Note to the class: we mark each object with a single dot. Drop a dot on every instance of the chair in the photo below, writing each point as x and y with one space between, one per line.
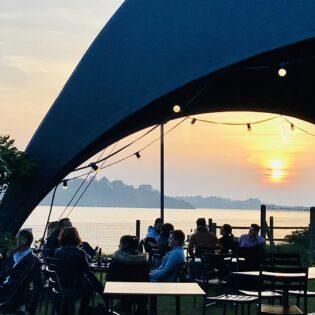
155 256
282 280
16 296
291 260
288 260
232 297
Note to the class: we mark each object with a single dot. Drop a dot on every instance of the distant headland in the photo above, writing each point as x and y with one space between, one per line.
105 193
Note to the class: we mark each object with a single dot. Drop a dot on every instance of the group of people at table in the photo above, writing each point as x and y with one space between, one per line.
128 264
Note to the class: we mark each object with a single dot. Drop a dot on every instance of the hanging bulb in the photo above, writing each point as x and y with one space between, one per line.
176 108
193 121
249 127
138 155
65 184
292 126
94 166
282 72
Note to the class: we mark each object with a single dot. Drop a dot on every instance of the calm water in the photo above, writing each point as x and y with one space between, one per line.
105 226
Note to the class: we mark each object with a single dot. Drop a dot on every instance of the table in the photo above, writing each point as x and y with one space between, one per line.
311 276
154 289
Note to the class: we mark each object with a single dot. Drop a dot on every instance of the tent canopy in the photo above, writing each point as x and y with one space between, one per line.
205 55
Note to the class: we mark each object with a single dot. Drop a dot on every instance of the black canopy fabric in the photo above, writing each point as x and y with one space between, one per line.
206 55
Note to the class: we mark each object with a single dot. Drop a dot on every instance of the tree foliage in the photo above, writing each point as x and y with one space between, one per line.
298 237
13 163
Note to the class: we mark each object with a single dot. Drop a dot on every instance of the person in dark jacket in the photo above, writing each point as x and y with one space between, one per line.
52 242
227 241
73 271
128 265
21 269
164 238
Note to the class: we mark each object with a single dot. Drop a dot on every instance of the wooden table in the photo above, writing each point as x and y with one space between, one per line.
154 289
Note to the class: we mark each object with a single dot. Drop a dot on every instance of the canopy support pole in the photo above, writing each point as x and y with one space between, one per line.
162 172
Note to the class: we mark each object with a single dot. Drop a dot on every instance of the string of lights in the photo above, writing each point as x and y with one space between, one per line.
249 124
94 164
90 182
65 186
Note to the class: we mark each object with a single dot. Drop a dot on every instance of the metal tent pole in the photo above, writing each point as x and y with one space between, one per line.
162 171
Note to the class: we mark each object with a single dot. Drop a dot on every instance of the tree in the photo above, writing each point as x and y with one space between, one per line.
13 166
13 163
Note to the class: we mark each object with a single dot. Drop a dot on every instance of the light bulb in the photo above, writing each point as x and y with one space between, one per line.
138 155
249 127
94 166
65 184
282 72
176 108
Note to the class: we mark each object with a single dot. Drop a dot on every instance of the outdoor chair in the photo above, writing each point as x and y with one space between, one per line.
287 260
232 297
18 295
282 280
155 256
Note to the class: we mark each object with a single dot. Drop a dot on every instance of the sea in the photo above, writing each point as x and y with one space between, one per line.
103 226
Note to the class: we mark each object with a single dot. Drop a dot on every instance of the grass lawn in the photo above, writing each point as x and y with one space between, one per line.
166 305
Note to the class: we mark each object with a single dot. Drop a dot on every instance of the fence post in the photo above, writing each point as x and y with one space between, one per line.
271 232
138 229
263 224
312 235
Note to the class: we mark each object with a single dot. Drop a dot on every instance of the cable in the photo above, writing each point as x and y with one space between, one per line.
90 182
120 160
297 127
49 214
116 152
235 124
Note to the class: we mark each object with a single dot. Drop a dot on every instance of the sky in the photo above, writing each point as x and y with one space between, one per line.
42 41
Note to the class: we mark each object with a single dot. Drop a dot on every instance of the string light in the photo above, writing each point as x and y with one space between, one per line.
138 155
176 108
249 127
292 126
193 121
94 166
65 184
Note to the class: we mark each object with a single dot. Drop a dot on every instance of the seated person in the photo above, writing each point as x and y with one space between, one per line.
154 231
20 269
252 239
202 238
251 247
73 270
128 265
89 250
52 241
164 237
172 261
227 241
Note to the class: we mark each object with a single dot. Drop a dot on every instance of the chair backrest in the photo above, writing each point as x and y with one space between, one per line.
286 260
201 251
155 249
52 263
284 279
